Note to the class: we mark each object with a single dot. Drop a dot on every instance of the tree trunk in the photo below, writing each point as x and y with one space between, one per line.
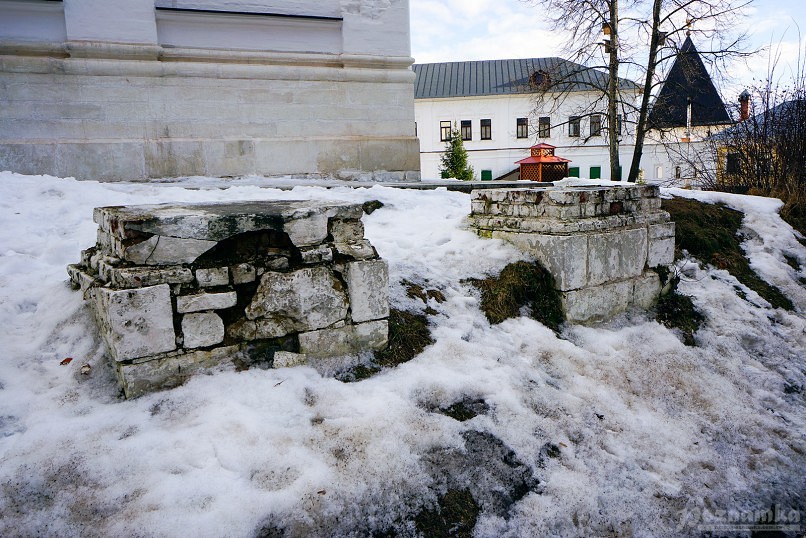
641 127
612 93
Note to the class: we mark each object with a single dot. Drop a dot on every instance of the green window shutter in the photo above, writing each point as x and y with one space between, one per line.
486 175
573 171
596 172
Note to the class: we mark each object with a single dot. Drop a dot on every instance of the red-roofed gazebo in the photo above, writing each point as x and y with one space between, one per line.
543 165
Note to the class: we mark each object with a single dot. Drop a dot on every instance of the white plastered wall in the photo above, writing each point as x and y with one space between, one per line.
124 90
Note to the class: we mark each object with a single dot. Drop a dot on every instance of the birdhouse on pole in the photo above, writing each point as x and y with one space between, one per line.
543 165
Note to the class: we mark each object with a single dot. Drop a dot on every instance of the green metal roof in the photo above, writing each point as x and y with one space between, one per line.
502 77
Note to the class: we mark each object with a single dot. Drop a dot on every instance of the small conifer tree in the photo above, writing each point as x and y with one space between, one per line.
454 160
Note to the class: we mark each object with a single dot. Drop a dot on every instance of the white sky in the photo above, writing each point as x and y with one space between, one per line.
453 30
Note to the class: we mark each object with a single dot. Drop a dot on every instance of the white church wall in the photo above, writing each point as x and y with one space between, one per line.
146 102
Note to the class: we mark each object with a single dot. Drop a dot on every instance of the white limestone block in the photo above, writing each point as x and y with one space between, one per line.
307 231
597 302
368 289
661 252
658 231
565 256
205 301
214 276
136 322
370 336
359 250
202 329
287 359
304 300
136 277
646 290
166 372
616 255
346 230
164 250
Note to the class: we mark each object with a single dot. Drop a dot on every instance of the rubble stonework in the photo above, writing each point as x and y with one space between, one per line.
180 289
599 242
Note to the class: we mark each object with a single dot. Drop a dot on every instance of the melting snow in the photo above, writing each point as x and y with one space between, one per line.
652 434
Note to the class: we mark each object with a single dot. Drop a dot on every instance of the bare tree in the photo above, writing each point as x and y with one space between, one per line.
634 38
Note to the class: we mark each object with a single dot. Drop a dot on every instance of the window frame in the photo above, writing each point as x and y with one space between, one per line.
544 127
486 129
466 129
574 126
596 125
445 136
521 128
733 163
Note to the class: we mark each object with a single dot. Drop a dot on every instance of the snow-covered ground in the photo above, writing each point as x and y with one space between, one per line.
655 437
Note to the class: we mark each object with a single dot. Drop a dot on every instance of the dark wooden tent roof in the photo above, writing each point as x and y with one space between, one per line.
688 79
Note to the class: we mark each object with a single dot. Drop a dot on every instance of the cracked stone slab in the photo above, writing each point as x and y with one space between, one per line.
303 300
368 289
304 220
135 322
165 250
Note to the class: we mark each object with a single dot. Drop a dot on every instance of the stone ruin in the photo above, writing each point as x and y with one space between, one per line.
180 289
599 242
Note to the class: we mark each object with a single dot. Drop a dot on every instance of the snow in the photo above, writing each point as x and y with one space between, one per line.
653 434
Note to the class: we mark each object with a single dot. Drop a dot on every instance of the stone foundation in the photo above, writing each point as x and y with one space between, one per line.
600 243
179 289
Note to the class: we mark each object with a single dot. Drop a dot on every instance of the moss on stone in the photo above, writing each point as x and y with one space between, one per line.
521 284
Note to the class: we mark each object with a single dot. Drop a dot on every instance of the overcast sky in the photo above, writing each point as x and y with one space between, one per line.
453 30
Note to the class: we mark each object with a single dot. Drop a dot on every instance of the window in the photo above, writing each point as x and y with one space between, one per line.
573 126
732 163
618 124
659 172
467 130
486 175
522 128
596 125
678 172
573 171
486 129
540 79
444 131
544 127
596 172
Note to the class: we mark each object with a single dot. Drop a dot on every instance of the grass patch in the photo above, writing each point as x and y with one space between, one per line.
521 285
677 311
455 515
465 409
709 232
409 335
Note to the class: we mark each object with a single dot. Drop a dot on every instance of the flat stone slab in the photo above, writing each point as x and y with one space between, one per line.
215 221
